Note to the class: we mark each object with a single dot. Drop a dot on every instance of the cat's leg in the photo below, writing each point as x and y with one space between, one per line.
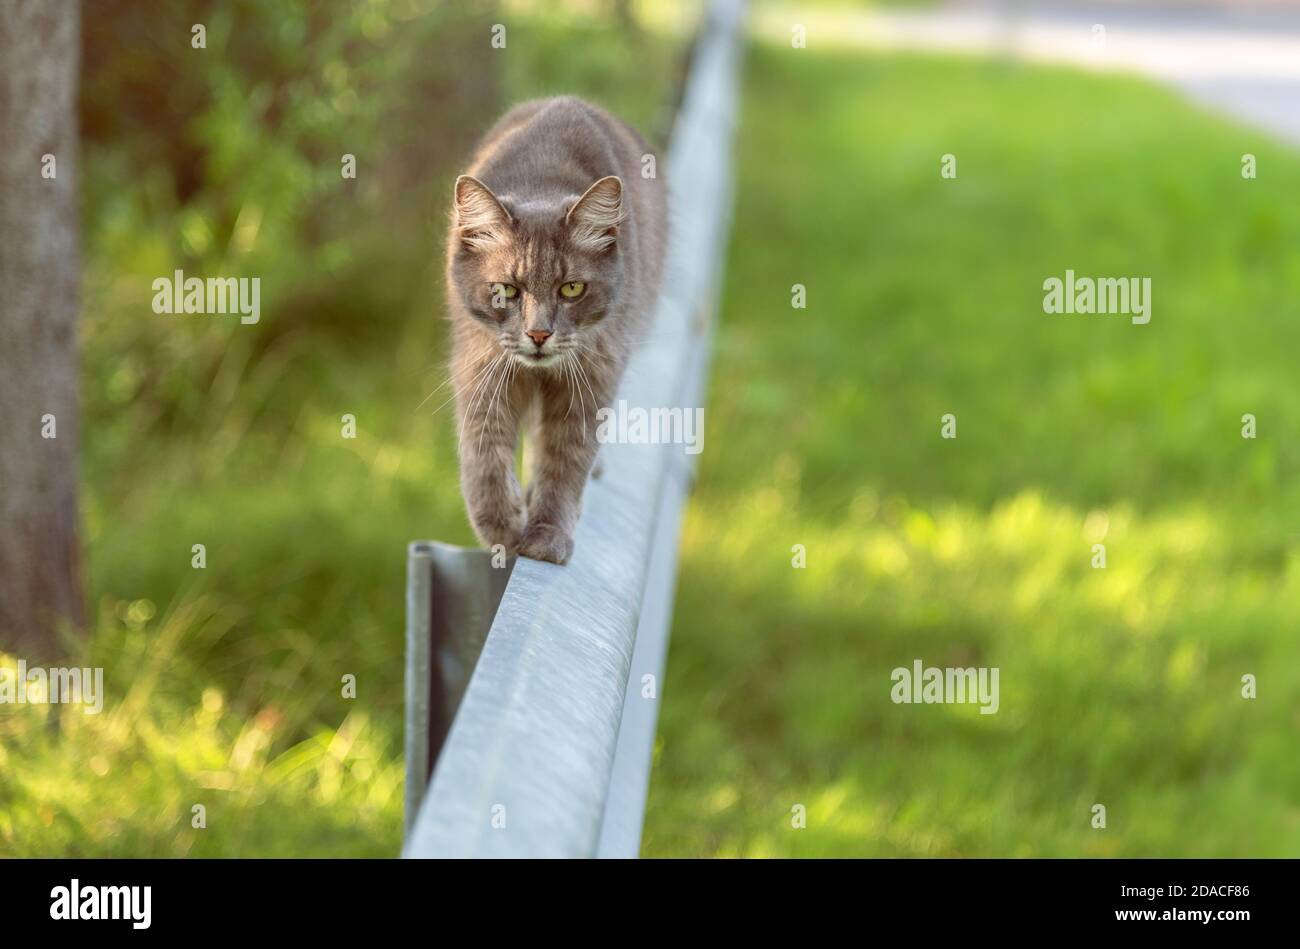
564 447
530 424
489 434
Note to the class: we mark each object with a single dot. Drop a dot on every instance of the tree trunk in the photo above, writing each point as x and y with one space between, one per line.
40 561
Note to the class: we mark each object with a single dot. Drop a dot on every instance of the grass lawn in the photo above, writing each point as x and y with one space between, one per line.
1119 686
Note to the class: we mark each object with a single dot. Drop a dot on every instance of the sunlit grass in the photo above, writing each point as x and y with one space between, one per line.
1119 686
158 773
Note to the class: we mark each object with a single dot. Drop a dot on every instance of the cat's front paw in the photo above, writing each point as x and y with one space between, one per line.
503 531
546 542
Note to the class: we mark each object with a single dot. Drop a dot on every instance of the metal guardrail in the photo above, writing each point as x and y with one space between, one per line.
526 691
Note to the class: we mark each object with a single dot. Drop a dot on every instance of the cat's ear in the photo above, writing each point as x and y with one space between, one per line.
594 220
480 219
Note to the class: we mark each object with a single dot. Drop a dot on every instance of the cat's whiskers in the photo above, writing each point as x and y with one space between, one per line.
568 373
451 377
429 368
483 389
432 394
457 389
589 351
483 380
506 372
595 403
577 368
475 397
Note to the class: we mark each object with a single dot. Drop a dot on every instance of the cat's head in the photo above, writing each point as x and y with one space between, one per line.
541 275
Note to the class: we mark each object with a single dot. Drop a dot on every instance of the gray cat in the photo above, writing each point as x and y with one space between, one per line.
553 267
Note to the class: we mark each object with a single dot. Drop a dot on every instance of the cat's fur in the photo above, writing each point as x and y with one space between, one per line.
554 194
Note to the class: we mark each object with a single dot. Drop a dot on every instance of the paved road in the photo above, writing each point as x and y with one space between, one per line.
1239 58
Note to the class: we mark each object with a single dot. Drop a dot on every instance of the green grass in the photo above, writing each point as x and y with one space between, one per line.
1118 686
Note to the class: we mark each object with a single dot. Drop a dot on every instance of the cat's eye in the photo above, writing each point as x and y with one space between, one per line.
572 290
504 291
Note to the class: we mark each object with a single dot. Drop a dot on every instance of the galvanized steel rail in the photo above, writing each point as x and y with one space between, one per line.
539 729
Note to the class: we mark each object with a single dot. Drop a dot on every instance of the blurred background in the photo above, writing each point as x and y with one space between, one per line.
1120 686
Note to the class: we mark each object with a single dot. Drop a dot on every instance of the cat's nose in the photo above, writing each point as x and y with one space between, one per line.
538 336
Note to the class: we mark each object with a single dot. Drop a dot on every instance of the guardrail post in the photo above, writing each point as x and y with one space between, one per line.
451 597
